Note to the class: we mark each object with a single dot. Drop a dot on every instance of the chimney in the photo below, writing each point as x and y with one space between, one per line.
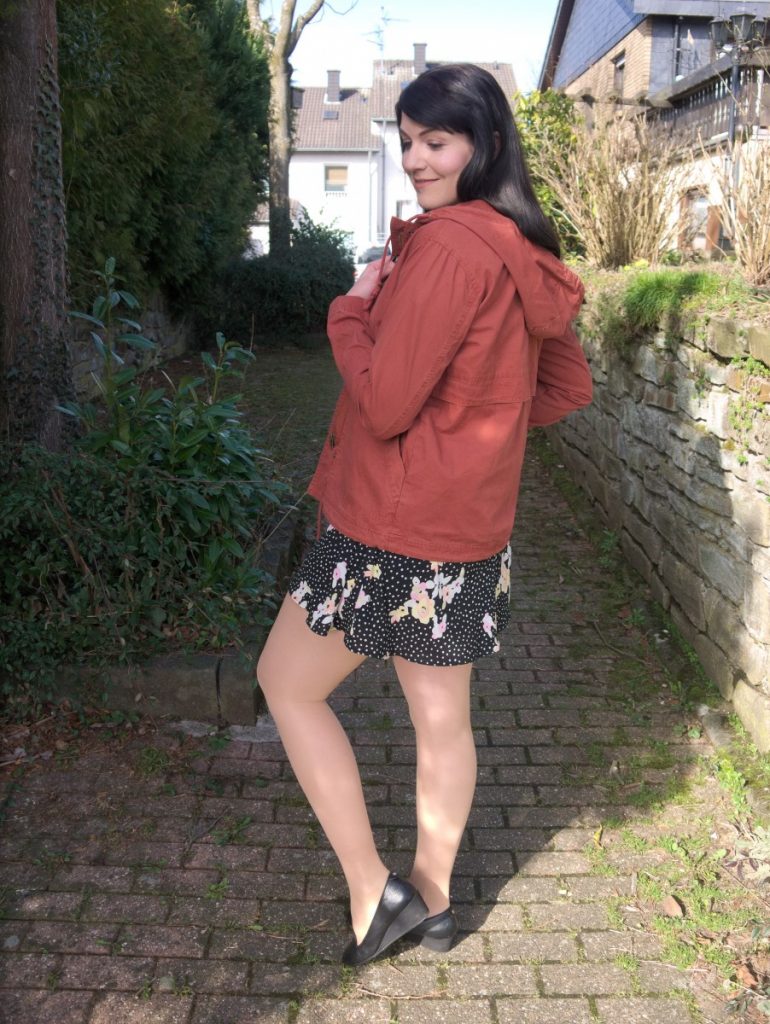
419 57
333 87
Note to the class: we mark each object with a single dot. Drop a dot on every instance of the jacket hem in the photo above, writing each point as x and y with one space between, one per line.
411 546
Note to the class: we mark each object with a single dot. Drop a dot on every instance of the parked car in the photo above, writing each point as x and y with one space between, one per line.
374 252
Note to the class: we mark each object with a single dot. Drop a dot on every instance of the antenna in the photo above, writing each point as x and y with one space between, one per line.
377 35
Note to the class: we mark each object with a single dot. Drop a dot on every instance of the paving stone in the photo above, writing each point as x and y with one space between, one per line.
544 1011
204 976
158 1009
228 858
510 838
553 864
279 914
662 978
237 944
519 889
122 973
567 916
527 948
94 876
580 887
187 881
275 979
221 912
486 917
445 1011
53 937
389 981
337 1011
607 945
584 980
489 980
27 970
265 885
468 949
642 1011
31 1007
122 908
151 940
52 906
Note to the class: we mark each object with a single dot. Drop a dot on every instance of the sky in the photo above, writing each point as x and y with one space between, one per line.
509 31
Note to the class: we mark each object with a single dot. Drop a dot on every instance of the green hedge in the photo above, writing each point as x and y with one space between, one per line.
287 295
164 124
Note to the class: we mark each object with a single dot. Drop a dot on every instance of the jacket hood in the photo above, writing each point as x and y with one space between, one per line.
551 294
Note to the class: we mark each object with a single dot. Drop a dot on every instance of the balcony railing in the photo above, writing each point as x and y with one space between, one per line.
705 112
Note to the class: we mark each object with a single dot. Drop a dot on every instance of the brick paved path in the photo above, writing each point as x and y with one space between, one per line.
189 884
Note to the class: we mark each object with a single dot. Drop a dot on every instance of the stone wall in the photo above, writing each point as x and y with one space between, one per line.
675 453
173 335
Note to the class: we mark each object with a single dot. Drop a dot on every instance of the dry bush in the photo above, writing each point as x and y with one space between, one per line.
743 177
619 189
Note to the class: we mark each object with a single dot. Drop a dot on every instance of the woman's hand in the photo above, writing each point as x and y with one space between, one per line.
372 277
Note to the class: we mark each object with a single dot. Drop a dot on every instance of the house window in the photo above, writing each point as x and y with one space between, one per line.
335 179
618 74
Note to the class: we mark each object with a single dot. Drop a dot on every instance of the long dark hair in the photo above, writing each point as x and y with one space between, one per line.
465 98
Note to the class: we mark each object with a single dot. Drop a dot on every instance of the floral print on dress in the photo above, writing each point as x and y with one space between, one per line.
426 595
386 604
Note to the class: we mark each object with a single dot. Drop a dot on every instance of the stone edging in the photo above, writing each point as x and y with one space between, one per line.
216 688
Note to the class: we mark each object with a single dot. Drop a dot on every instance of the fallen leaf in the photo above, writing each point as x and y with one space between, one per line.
671 907
746 976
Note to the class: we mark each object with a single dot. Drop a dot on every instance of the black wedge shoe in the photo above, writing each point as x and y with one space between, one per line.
400 910
437 932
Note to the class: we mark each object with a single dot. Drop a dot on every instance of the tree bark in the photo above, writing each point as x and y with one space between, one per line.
280 46
35 366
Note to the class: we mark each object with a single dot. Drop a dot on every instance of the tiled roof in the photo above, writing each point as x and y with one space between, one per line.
390 77
346 125
342 126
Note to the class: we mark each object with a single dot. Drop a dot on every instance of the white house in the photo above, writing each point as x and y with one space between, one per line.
345 168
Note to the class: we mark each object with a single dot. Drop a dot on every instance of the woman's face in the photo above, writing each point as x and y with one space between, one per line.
434 160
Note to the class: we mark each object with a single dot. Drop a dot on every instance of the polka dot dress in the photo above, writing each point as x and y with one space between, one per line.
431 613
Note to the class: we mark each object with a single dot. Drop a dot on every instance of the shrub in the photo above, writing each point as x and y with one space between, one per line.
744 184
618 188
287 295
549 118
148 532
164 132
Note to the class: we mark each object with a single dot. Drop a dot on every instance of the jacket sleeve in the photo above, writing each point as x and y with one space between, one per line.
390 377
563 380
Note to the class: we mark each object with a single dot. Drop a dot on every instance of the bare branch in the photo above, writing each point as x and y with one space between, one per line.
302 21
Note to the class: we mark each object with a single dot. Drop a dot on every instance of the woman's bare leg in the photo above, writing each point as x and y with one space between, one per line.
439 706
297 671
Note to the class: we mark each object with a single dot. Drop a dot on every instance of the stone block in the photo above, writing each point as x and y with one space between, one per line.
759 343
659 591
723 340
649 365
756 609
181 684
715 664
635 555
713 499
753 708
645 536
660 398
752 514
718 414
686 588
722 571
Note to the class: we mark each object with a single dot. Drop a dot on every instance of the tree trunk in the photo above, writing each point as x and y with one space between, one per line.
280 153
35 367
280 47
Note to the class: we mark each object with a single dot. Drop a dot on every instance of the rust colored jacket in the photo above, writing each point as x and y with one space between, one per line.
464 346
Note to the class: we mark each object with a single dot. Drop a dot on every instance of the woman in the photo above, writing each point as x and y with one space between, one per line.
449 350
